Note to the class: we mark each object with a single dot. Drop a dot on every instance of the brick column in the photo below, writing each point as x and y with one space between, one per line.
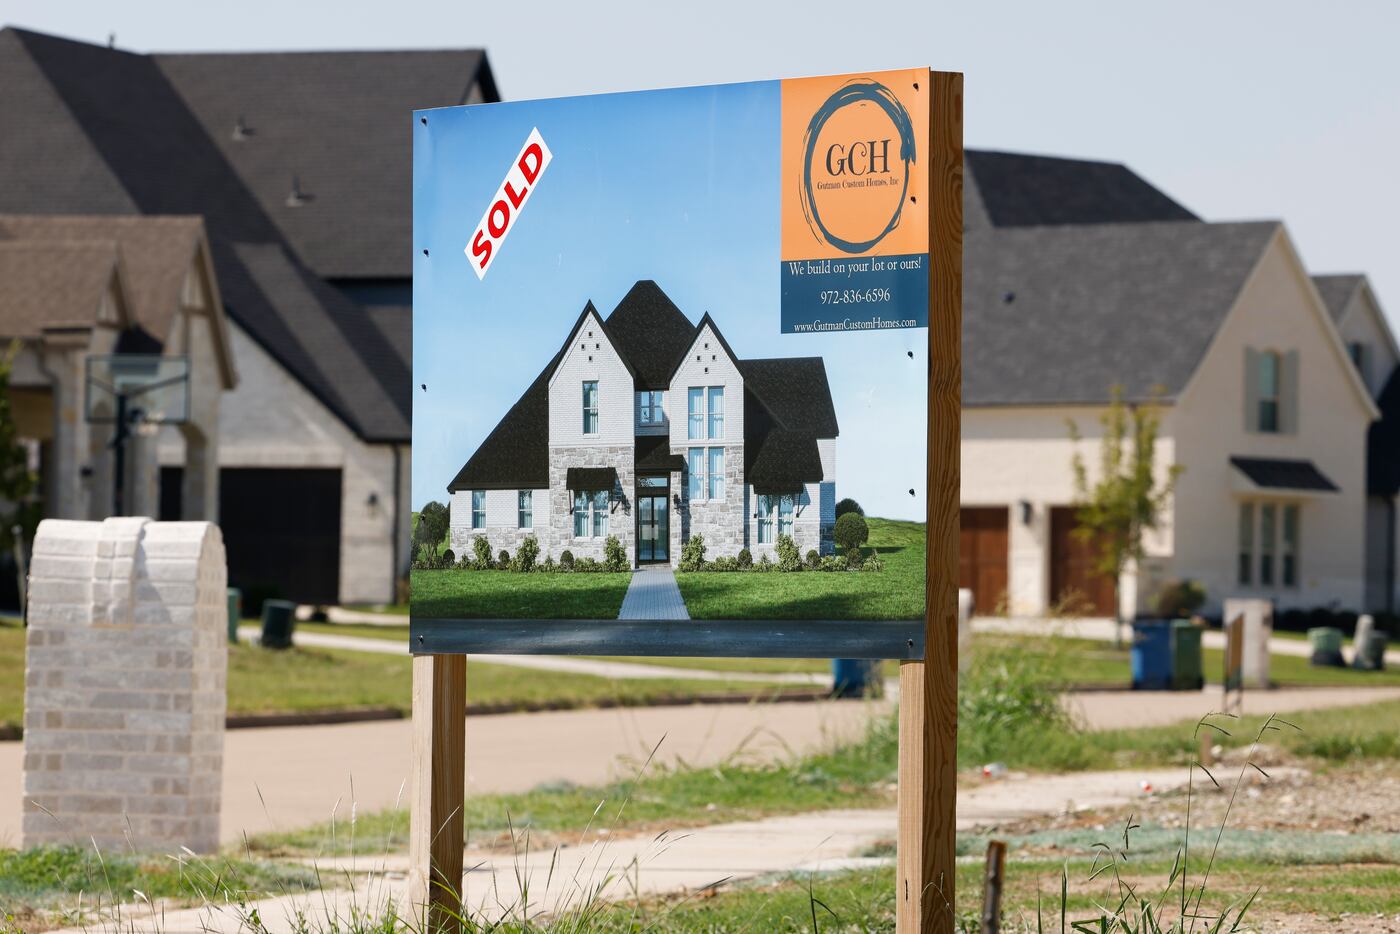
125 684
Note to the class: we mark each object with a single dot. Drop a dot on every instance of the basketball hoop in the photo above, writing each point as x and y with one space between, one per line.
129 390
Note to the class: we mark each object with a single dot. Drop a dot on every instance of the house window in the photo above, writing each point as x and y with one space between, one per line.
1288 556
478 509
1269 392
706 410
1357 351
696 427
695 460
1268 513
525 510
590 513
716 477
774 511
1246 559
590 407
651 407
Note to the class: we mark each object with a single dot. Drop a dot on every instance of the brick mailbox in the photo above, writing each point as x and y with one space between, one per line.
124 701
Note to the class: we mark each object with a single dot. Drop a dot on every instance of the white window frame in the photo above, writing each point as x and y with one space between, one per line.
525 509
593 410
714 480
651 407
770 517
478 495
595 509
704 424
1269 544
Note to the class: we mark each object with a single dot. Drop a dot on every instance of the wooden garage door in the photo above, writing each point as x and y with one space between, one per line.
282 532
1074 583
982 556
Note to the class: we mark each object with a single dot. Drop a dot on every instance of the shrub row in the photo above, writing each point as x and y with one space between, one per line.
693 559
525 560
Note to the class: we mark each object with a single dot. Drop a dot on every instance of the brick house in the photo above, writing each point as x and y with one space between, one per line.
651 429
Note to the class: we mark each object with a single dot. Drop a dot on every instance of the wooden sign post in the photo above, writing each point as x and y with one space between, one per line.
926 648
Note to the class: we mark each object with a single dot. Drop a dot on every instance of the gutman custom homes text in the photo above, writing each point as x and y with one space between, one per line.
651 429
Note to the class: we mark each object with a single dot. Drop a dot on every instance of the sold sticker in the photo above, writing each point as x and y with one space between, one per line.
508 202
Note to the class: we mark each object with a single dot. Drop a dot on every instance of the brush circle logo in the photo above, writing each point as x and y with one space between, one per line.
856 159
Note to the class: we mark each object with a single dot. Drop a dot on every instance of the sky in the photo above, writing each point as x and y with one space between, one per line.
640 186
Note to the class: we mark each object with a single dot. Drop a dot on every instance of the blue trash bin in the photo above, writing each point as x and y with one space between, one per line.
856 677
1152 655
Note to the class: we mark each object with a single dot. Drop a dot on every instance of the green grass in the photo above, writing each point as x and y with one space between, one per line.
52 877
508 595
897 592
11 674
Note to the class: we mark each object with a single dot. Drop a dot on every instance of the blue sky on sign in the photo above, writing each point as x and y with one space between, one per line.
679 186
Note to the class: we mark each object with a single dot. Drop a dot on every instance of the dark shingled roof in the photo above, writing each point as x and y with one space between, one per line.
651 333
1045 309
794 390
91 130
1283 474
780 461
1383 442
1337 290
1017 190
516 452
653 453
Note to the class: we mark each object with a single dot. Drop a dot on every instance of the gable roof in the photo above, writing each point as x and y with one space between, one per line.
55 284
1337 291
650 332
86 129
795 392
1045 309
516 452
1020 190
300 116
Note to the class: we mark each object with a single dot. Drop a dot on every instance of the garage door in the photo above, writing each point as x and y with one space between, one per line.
982 556
282 532
1074 582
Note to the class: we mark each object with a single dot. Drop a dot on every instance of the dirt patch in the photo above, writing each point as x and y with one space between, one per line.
1330 924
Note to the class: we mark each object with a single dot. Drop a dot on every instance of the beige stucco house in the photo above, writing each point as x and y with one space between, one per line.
1267 382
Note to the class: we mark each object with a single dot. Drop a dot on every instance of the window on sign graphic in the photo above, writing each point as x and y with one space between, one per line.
478 509
695 462
785 507
716 477
765 519
716 401
695 427
590 407
525 509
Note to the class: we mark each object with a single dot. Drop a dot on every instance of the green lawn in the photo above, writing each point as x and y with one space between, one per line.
897 592
508 595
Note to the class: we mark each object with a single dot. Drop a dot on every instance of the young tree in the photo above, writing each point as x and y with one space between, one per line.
433 521
1126 499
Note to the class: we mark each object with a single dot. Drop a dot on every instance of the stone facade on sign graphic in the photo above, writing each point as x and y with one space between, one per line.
720 521
126 665
561 507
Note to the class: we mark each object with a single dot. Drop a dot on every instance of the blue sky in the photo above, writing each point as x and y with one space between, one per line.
680 186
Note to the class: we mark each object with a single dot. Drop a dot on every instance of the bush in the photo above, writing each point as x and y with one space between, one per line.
873 563
835 563
566 560
614 555
449 559
548 566
745 559
851 533
693 554
588 566
764 564
814 560
503 560
1180 598
789 558
724 564
848 505
526 554
481 553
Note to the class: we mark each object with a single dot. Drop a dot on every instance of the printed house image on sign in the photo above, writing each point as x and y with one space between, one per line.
652 429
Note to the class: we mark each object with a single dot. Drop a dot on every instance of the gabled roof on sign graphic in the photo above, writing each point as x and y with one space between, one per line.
651 333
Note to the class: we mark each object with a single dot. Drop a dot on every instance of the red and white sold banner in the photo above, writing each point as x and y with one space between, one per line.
504 210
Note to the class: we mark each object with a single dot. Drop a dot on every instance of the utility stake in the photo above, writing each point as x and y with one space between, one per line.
991 887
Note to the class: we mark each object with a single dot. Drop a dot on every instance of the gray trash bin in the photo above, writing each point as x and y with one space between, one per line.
278 620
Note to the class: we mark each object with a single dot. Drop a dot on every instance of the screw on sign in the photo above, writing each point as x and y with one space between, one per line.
508 202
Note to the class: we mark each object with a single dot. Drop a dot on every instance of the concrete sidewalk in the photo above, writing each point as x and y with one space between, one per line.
1102 630
672 862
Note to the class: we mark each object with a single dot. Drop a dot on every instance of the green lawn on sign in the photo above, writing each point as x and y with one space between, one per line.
458 594
897 592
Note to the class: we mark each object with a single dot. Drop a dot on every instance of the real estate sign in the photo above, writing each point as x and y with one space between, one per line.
665 343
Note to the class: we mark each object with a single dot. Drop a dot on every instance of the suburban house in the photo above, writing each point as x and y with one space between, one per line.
298 165
649 428
1079 278
127 292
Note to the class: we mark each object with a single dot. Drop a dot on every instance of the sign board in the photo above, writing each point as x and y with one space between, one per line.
689 342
